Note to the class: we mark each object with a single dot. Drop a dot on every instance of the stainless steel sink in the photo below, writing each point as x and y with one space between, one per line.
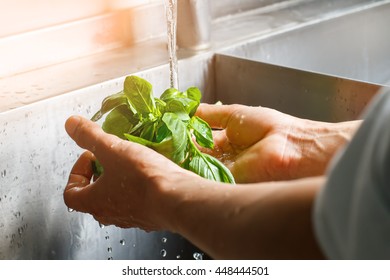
354 45
285 71
297 92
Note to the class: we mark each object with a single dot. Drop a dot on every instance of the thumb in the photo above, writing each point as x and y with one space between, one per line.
89 135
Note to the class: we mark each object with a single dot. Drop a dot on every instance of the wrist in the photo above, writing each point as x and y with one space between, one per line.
168 195
319 142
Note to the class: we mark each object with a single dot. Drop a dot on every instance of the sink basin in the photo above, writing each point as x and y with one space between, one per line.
296 92
313 72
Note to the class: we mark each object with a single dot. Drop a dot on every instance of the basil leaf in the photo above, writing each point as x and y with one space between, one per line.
163 124
194 94
200 166
160 105
109 103
149 130
202 132
119 121
169 94
210 168
224 173
178 107
140 95
162 132
179 136
97 168
165 147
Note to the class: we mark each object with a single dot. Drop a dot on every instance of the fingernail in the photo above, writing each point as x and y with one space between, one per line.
71 124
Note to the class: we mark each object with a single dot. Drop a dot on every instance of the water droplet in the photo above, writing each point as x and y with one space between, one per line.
178 257
101 225
107 237
20 231
3 173
164 240
122 242
109 249
163 253
110 258
198 256
70 210
134 245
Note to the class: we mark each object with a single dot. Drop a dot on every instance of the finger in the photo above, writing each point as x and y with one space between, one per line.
76 192
83 166
90 136
217 116
103 221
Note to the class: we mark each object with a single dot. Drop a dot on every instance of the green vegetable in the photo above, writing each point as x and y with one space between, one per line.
166 125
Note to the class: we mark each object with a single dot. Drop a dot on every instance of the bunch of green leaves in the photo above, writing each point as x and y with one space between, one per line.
166 125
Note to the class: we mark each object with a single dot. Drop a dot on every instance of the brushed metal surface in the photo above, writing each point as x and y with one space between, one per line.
353 45
297 92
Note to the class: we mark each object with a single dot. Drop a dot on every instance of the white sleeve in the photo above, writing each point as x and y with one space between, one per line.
352 211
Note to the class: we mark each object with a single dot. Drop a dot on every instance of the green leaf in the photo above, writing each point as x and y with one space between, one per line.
162 132
202 132
169 94
194 94
179 136
109 103
179 107
163 124
160 105
119 121
210 168
200 166
224 173
165 147
97 168
149 131
140 95
190 99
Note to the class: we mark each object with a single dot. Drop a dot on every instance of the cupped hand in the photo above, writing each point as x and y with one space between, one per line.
127 194
261 144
